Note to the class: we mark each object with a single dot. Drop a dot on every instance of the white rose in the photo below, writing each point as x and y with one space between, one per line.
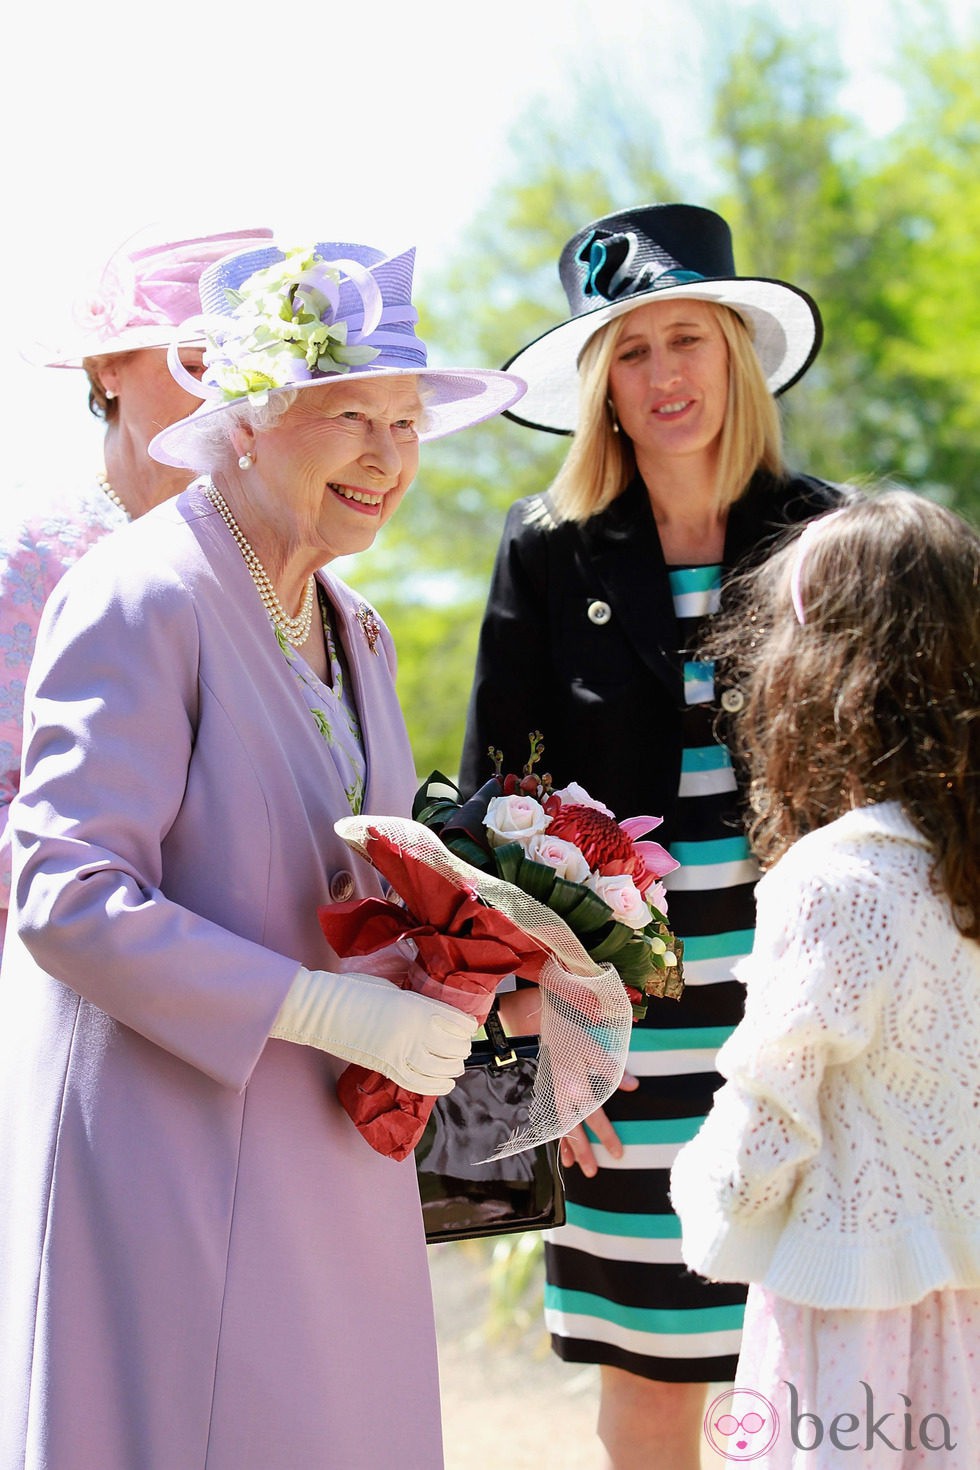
576 795
555 852
624 898
514 819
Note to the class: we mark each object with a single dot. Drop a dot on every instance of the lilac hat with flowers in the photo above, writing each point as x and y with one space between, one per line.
143 293
275 320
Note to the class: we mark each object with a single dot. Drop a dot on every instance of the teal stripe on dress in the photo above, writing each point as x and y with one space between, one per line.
734 944
699 683
680 1038
723 850
653 1130
694 579
643 1319
609 1222
705 758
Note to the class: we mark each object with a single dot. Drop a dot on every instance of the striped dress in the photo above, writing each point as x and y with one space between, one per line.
617 1291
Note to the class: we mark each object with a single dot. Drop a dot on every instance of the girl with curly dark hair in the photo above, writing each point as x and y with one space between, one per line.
839 1169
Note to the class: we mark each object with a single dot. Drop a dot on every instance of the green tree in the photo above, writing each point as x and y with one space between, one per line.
876 230
883 232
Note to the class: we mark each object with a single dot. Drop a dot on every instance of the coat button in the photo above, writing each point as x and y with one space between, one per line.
342 886
599 613
732 701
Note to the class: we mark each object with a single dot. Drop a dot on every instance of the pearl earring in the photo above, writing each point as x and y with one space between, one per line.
612 415
109 393
246 462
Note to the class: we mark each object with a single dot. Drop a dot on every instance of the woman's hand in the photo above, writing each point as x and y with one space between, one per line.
575 1147
419 1043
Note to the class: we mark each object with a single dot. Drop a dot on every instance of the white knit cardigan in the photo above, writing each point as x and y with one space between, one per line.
840 1164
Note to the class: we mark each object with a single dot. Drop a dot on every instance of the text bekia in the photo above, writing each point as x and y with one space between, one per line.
895 1429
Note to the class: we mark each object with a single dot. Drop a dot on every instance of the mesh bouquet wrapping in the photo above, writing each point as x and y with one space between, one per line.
459 918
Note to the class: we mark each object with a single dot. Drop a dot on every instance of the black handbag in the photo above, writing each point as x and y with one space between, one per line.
462 1199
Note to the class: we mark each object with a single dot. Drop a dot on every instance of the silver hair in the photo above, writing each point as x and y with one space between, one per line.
215 435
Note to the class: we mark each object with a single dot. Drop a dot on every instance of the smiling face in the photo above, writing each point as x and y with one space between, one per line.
668 380
334 468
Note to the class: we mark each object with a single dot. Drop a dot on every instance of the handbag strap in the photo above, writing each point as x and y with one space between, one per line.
504 1055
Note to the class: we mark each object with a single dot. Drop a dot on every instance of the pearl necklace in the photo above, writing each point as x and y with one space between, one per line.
297 629
107 489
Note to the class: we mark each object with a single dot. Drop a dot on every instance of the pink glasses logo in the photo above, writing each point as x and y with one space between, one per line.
741 1424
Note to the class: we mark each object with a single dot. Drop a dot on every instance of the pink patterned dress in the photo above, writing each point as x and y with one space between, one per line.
34 552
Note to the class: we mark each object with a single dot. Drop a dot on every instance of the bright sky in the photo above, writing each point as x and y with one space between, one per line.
386 122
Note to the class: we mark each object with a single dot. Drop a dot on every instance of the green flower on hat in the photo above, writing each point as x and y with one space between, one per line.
277 323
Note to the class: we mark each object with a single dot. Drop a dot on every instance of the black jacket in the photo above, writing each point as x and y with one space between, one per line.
605 690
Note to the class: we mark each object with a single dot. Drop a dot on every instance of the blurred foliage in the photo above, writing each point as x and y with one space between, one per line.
511 1270
883 231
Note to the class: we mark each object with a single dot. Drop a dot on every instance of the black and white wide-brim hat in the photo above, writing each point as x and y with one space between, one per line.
658 252
273 321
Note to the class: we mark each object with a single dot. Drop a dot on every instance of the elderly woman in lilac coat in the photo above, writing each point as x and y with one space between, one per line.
202 1263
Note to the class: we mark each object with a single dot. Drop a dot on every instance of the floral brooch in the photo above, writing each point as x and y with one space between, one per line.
372 628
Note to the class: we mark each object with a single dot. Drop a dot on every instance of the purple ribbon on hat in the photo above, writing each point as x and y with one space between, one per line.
322 276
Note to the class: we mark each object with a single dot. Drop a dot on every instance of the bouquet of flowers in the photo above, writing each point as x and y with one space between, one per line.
470 926
568 851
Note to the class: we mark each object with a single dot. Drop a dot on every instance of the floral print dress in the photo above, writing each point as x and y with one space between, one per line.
35 551
332 707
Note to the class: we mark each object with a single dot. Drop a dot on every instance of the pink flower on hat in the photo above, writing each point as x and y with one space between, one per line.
144 293
109 309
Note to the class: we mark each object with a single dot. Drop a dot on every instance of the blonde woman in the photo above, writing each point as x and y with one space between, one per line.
666 373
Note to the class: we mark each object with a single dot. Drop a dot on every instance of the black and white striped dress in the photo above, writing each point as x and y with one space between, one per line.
618 1292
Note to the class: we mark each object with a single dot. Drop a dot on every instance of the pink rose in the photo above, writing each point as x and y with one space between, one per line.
624 898
555 853
514 819
656 897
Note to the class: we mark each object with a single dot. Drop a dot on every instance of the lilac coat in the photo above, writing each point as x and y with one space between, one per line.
202 1264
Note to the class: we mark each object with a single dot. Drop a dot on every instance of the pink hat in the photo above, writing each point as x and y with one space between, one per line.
143 294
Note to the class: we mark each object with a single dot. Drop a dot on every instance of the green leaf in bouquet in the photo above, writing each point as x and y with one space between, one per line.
537 879
436 800
565 895
637 962
613 944
435 815
464 847
589 914
507 861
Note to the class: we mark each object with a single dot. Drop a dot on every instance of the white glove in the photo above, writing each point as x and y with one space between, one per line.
419 1043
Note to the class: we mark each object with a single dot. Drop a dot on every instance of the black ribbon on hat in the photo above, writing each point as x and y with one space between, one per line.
609 261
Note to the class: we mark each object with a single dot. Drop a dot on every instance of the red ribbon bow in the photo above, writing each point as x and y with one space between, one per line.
464 949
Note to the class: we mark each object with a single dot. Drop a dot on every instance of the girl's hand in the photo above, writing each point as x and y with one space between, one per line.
520 1011
575 1147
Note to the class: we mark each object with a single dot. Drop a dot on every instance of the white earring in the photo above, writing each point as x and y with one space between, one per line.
109 393
612 415
246 462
